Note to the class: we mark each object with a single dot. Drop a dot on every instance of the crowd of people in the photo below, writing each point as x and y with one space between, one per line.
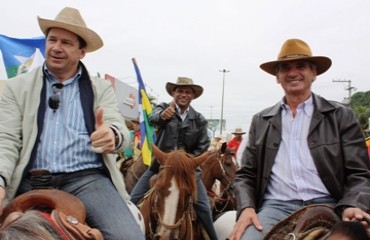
303 150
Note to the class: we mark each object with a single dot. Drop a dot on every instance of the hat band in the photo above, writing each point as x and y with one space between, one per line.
293 56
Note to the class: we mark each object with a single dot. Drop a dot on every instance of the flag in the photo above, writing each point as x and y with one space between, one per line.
147 131
22 55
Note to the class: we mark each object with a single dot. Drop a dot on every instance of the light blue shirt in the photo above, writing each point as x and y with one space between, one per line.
65 144
294 175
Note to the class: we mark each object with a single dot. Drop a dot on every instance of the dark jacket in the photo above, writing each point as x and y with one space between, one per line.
337 146
189 135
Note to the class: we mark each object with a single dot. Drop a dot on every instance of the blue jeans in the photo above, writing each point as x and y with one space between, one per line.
105 209
273 211
202 205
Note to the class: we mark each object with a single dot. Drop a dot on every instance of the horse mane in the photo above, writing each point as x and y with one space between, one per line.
178 165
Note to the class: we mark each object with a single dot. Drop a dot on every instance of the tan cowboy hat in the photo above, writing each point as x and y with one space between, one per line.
238 131
296 49
70 19
136 120
184 82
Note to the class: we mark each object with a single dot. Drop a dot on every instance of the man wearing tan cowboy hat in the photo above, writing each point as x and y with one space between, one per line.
303 150
134 148
180 127
234 143
57 118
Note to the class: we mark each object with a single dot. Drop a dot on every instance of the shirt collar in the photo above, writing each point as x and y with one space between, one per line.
179 110
51 78
306 106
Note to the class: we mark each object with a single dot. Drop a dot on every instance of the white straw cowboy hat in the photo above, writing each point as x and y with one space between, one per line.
184 82
296 49
70 19
238 131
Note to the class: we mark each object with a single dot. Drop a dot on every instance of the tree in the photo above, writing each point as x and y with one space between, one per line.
361 106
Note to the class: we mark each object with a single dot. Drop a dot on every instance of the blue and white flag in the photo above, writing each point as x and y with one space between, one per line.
22 55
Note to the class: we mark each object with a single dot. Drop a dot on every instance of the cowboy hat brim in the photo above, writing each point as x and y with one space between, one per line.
322 64
198 90
92 39
240 133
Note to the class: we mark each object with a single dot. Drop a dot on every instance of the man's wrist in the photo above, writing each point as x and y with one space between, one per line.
118 138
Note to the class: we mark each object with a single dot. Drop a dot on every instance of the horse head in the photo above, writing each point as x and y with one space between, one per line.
172 196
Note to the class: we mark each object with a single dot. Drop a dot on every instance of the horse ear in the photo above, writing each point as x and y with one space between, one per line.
161 156
199 159
223 147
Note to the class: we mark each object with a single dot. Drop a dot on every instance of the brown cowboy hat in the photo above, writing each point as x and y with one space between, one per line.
48 200
238 131
296 49
70 19
184 82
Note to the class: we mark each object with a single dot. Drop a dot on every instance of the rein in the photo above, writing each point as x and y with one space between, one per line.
227 189
187 216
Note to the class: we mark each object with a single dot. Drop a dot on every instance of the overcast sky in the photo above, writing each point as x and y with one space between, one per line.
198 38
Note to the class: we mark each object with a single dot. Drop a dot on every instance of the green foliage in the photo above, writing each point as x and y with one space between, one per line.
360 102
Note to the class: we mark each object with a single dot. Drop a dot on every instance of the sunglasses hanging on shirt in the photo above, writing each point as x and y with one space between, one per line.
54 99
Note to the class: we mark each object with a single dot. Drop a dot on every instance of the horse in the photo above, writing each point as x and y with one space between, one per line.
221 166
132 169
167 208
314 222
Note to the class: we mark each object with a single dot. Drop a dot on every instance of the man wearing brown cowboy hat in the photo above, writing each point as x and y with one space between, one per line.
302 151
179 126
57 118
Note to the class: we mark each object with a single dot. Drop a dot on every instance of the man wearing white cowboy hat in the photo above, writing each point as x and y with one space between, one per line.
179 126
58 119
234 143
302 151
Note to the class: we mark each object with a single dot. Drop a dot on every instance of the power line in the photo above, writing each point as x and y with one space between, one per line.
349 89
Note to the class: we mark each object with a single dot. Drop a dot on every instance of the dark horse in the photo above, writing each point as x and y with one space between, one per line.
316 222
221 166
168 207
132 169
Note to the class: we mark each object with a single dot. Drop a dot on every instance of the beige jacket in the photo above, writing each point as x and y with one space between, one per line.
19 104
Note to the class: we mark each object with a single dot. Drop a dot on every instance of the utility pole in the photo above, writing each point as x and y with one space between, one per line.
349 89
224 71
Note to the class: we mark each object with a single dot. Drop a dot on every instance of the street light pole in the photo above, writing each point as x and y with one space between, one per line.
224 71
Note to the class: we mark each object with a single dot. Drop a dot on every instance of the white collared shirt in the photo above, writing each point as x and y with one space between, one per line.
184 114
294 175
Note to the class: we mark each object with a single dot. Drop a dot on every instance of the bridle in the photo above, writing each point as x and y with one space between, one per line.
229 184
188 216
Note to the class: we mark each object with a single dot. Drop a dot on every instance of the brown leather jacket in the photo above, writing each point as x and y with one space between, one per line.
337 146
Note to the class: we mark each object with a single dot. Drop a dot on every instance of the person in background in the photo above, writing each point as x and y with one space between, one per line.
303 150
216 143
61 128
241 148
234 143
134 148
179 126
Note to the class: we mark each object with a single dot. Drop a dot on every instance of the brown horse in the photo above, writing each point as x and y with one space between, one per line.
168 207
132 169
221 166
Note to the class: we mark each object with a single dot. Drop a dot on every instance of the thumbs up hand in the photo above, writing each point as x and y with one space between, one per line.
102 139
169 111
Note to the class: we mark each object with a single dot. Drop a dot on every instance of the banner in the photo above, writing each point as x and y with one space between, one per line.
21 55
147 131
